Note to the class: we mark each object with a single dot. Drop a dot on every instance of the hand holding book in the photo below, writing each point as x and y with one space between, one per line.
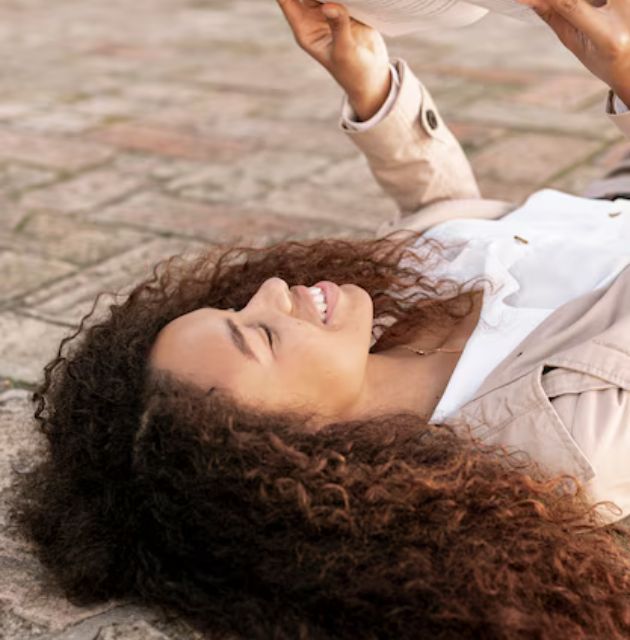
353 53
599 36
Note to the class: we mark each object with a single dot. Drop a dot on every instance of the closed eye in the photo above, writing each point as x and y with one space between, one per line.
269 334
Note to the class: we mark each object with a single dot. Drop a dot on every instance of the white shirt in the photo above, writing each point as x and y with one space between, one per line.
573 246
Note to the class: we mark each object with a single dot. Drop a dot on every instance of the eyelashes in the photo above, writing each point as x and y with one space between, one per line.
269 334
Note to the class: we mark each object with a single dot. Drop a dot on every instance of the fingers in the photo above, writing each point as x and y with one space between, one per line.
293 12
579 14
339 21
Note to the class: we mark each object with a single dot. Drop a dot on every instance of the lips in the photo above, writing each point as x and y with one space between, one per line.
302 293
331 293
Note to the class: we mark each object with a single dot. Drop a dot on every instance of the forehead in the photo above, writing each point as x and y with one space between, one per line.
197 347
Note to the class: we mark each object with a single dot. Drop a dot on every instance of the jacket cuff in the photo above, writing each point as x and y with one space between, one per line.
412 105
349 120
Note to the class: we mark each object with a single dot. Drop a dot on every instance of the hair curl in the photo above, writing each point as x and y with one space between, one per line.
248 523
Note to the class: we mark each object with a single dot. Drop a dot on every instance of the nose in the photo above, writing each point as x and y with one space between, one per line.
275 293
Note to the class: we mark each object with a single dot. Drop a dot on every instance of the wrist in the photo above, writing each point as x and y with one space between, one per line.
366 103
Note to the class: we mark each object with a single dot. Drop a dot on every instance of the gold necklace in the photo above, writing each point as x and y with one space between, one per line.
423 352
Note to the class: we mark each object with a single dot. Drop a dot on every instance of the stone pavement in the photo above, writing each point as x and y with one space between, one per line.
131 131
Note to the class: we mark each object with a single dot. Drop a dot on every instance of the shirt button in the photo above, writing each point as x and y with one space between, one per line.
432 119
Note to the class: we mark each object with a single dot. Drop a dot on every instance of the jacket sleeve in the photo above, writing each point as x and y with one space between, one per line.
411 152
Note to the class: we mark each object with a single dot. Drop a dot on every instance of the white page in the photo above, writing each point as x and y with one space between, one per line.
398 17
510 8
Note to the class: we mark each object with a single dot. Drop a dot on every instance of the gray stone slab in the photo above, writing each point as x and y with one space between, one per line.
60 237
70 299
26 345
23 273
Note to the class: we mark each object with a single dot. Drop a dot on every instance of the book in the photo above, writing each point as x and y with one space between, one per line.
399 17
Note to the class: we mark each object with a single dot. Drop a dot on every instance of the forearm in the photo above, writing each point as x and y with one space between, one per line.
368 102
411 152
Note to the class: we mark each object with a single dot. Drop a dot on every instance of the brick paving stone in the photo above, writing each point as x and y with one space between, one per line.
23 593
265 127
485 75
563 92
513 192
544 120
578 179
15 177
170 143
349 173
307 137
144 95
58 121
9 110
70 240
82 193
140 630
531 159
16 434
69 299
344 207
107 107
472 136
219 222
59 153
22 273
261 70
12 626
27 345
10 214
250 178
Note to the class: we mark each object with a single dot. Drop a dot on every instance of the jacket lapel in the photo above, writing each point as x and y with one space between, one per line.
590 334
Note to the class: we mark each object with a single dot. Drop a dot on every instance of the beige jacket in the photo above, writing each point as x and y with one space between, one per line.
563 395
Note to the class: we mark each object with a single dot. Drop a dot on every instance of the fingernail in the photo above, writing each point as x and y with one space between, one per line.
330 12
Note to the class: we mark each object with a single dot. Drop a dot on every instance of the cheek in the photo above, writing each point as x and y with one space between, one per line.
338 369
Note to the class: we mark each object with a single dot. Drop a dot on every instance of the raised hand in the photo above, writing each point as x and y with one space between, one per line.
353 53
598 35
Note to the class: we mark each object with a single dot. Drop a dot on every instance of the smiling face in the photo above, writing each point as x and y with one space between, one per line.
309 365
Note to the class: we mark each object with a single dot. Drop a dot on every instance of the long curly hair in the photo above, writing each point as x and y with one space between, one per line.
247 523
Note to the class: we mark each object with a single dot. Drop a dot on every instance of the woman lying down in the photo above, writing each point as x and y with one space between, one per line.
423 435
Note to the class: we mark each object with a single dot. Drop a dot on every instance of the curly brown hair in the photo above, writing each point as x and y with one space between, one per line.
250 524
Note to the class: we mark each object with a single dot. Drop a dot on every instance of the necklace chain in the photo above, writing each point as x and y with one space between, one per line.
424 352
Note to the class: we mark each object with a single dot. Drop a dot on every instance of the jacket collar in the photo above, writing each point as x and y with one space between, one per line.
589 334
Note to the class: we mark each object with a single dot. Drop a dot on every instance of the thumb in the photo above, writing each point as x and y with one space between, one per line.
339 21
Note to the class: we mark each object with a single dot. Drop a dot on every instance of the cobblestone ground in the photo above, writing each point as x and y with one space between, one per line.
129 132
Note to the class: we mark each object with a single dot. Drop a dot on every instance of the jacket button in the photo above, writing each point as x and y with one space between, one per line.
432 119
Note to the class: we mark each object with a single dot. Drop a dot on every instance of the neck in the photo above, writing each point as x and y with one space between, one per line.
423 378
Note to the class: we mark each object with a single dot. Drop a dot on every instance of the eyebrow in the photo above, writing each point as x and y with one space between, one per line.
239 340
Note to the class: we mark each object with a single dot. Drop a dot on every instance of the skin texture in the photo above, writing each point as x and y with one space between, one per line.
311 366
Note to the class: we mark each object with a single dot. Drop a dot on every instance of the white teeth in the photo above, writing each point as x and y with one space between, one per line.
320 301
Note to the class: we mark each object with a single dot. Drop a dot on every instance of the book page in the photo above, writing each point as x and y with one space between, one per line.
510 8
397 17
